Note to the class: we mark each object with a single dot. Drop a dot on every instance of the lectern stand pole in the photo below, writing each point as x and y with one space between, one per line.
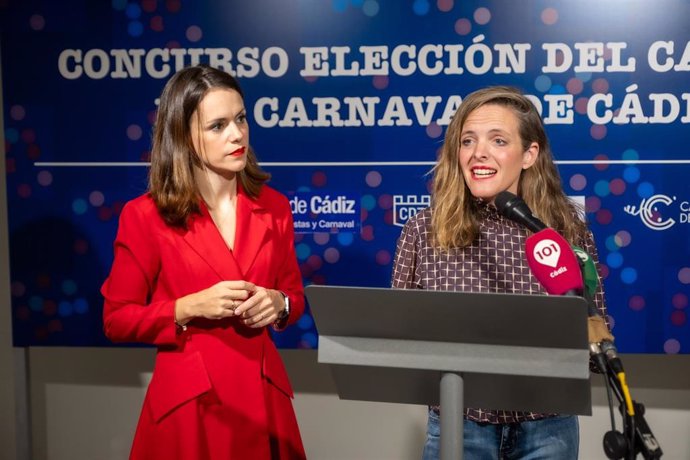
452 411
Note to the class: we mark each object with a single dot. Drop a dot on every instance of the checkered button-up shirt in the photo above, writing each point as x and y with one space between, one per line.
495 262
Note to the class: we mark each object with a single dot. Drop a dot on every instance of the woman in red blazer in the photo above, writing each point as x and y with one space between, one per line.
204 264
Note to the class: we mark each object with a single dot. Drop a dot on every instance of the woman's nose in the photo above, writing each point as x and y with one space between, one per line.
480 151
235 133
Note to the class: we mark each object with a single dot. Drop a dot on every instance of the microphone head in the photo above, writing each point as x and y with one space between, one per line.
589 271
503 199
512 207
553 263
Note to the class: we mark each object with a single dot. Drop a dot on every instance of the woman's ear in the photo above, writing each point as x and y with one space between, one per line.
529 157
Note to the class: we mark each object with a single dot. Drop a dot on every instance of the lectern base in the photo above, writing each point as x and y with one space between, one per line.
451 416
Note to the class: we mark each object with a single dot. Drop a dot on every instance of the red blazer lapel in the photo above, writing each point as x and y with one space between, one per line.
254 225
205 239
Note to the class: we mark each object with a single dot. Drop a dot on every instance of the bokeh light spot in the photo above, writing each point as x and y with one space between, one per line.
373 178
79 206
368 202
636 303
17 112
600 85
684 275
380 81
433 130
133 11
598 132
463 26
623 238
134 132
617 186
482 16
601 188
420 7
37 22
578 182
604 216
96 198
345 239
631 154
194 33
628 275
678 318
645 190
383 257
319 179
69 287
444 5
679 301
303 251
614 260
81 306
135 28
370 8
65 308
631 174
574 86
321 238
44 178
672 346
542 83
549 16
386 201
331 255
592 204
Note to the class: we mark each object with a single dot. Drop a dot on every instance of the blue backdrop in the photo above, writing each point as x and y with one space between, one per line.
348 103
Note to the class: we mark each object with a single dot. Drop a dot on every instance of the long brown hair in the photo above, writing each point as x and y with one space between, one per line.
455 221
173 158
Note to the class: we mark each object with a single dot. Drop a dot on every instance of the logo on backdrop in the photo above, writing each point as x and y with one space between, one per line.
325 212
406 206
656 211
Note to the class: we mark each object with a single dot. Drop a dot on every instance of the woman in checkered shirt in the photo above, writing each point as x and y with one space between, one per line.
495 142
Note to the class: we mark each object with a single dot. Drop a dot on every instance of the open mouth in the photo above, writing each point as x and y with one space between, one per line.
483 173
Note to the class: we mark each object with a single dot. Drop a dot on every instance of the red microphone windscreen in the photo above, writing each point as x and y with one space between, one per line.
553 262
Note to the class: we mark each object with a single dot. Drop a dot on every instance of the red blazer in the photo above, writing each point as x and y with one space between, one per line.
219 389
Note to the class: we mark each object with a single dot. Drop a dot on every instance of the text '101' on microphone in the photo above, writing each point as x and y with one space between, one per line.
553 263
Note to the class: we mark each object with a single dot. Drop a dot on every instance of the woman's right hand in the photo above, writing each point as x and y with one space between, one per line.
218 301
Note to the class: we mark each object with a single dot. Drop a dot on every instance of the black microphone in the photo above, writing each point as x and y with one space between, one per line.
604 352
513 207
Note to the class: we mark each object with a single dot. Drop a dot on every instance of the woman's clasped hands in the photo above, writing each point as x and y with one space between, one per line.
256 306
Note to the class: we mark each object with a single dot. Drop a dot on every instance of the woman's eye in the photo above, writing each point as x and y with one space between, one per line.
501 142
242 118
466 142
217 126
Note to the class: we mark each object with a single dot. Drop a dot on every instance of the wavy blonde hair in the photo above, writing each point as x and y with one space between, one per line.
173 157
455 221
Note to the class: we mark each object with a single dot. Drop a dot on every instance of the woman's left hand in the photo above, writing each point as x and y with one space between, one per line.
262 308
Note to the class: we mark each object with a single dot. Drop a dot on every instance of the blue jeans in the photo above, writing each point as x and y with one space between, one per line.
555 438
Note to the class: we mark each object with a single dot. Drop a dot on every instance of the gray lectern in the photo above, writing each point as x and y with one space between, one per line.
489 351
